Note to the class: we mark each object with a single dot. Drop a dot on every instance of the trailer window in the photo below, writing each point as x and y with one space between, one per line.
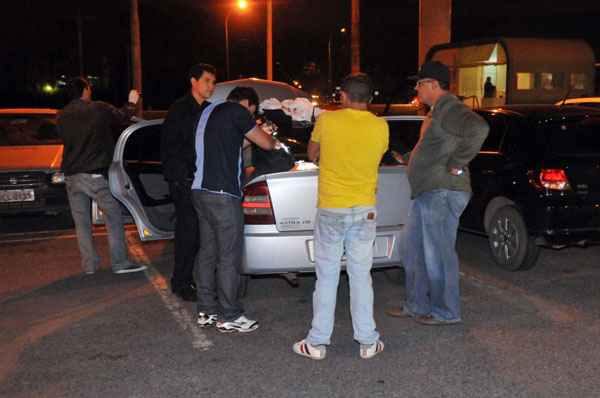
577 81
547 81
525 81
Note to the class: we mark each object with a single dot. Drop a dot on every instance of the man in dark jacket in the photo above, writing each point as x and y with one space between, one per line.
451 136
178 159
85 127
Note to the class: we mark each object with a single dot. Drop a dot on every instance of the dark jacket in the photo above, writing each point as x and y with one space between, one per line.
86 128
177 143
451 135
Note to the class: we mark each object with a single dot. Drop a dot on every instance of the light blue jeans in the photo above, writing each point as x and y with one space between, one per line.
81 189
337 232
429 254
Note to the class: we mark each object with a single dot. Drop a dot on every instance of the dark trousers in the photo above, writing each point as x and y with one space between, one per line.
186 235
219 259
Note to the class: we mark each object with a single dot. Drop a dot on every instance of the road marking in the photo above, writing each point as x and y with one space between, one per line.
187 322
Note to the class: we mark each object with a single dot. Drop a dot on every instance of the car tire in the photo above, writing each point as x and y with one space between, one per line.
512 247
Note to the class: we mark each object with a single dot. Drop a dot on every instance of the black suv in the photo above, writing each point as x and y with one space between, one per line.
536 181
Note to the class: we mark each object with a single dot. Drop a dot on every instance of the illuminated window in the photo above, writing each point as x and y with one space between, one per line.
577 81
547 81
524 81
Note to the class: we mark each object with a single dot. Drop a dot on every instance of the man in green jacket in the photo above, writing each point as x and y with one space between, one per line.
438 173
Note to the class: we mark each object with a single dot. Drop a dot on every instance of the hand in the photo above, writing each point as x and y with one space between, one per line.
398 157
134 96
278 144
456 172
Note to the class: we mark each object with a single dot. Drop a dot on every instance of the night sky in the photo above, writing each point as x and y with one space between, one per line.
39 40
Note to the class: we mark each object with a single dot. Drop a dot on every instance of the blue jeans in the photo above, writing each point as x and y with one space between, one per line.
336 230
81 189
429 254
219 258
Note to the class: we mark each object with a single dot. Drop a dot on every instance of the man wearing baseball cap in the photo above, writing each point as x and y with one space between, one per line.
451 135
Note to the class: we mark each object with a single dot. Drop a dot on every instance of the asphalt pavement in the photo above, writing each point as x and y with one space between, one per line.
64 334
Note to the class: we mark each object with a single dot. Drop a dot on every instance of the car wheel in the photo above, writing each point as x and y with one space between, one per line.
511 246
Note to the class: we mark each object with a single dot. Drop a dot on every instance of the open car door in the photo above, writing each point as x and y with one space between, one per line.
136 180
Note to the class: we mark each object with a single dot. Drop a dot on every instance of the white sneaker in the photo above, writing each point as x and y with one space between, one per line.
305 349
370 350
206 319
241 325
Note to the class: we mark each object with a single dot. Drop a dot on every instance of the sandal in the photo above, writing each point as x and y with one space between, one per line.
370 350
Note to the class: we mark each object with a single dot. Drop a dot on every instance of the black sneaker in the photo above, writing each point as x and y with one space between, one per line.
206 319
130 268
186 293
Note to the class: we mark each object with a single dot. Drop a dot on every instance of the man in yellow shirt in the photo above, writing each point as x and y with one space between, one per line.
348 144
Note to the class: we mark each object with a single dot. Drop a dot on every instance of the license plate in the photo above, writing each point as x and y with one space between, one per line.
381 248
17 195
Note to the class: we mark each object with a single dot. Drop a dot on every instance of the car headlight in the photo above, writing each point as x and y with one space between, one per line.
58 178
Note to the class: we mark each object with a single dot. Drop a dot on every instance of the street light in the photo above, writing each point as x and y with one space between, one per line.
240 5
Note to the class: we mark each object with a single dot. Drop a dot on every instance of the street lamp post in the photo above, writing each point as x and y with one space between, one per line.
269 39
241 5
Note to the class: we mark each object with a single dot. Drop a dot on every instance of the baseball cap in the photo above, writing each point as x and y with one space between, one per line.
433 70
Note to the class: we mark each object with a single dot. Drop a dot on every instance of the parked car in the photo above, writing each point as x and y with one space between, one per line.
31 180
264 88
279 208
536 181
592 102
30 159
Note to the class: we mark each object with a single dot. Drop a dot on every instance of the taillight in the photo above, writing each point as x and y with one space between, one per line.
257 204
554 179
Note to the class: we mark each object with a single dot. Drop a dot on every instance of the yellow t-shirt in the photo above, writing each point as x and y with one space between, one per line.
352 143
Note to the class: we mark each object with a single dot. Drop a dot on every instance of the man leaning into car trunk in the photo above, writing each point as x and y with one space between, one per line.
85 127
349 144
178 159
450 137
217 196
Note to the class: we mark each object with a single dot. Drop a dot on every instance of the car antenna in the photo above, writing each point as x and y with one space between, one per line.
566 95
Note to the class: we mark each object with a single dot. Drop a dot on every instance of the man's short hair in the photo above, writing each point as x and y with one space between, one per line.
358 87
197 70
75 87
239 94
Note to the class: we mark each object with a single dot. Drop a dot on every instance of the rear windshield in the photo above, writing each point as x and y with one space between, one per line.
576 138
404 135
28 130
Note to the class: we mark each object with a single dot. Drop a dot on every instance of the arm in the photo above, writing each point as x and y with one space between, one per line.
262 139
472 130
314 144
123 114
314 150
171 140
